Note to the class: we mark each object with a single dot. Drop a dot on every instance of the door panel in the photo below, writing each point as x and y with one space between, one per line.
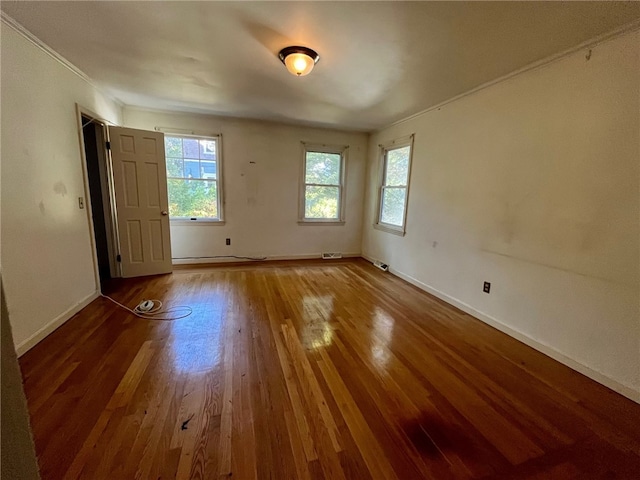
152 184
140 182
130 178
134 241
155 233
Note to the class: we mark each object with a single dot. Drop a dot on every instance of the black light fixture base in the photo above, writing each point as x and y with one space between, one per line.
285 52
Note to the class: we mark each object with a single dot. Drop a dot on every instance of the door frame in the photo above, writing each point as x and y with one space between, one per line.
113 240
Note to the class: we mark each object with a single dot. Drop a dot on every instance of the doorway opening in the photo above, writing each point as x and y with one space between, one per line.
98 175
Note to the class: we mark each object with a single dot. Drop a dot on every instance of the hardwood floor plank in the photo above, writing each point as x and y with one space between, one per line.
304 433
414 436
371 451
226 413
307 378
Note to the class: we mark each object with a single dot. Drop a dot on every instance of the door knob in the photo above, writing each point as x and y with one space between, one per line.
164 212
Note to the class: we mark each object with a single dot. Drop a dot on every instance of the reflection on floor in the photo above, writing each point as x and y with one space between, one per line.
309 370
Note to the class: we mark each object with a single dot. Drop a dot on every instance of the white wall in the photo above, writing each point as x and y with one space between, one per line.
47 260
261 198
533 184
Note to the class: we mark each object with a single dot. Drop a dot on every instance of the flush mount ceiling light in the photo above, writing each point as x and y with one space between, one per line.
298 60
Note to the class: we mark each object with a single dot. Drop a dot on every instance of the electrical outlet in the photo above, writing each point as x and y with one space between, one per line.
486 287
81 203
228 241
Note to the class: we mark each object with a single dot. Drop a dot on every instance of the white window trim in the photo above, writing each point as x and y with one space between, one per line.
384 149
219 178
342 150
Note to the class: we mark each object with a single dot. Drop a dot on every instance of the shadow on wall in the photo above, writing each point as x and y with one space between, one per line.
17 450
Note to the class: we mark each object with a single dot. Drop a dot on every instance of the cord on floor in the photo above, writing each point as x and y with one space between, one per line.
155 311
240 257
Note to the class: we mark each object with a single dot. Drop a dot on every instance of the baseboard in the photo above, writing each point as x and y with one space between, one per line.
302 256
542 348
37 337
309 256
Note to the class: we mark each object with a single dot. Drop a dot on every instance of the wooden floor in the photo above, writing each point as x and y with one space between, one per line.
312 370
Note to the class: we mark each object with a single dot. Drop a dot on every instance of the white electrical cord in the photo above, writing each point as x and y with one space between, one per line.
152 310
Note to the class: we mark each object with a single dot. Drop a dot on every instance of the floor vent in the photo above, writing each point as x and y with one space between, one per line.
330 255
382 266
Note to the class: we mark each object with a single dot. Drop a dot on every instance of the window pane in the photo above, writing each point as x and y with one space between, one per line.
321 202
393 206
208 169
208 149
190 148
174 167
397 166
191 169
323 168
172 146
193 198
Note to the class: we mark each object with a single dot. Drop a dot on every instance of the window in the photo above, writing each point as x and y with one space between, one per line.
394 186
323 189
193 177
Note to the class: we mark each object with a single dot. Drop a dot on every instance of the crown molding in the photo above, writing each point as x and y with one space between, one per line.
27 35
588 44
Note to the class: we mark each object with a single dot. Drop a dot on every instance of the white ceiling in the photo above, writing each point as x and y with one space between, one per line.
379 61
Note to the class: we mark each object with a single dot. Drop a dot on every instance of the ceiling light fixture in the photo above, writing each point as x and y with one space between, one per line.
298 60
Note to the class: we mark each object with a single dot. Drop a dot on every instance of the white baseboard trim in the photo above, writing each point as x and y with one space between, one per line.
309 256
497 324
41 334
302 256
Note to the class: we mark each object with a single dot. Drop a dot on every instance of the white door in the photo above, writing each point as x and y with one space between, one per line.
140 185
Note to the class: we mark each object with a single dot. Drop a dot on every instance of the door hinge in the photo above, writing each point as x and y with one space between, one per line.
108 144
118 258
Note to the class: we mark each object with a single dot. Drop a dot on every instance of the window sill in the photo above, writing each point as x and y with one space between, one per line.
320 222
182 222
390 229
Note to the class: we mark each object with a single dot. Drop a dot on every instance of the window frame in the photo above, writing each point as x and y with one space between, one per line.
341 150
220 220
384 151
